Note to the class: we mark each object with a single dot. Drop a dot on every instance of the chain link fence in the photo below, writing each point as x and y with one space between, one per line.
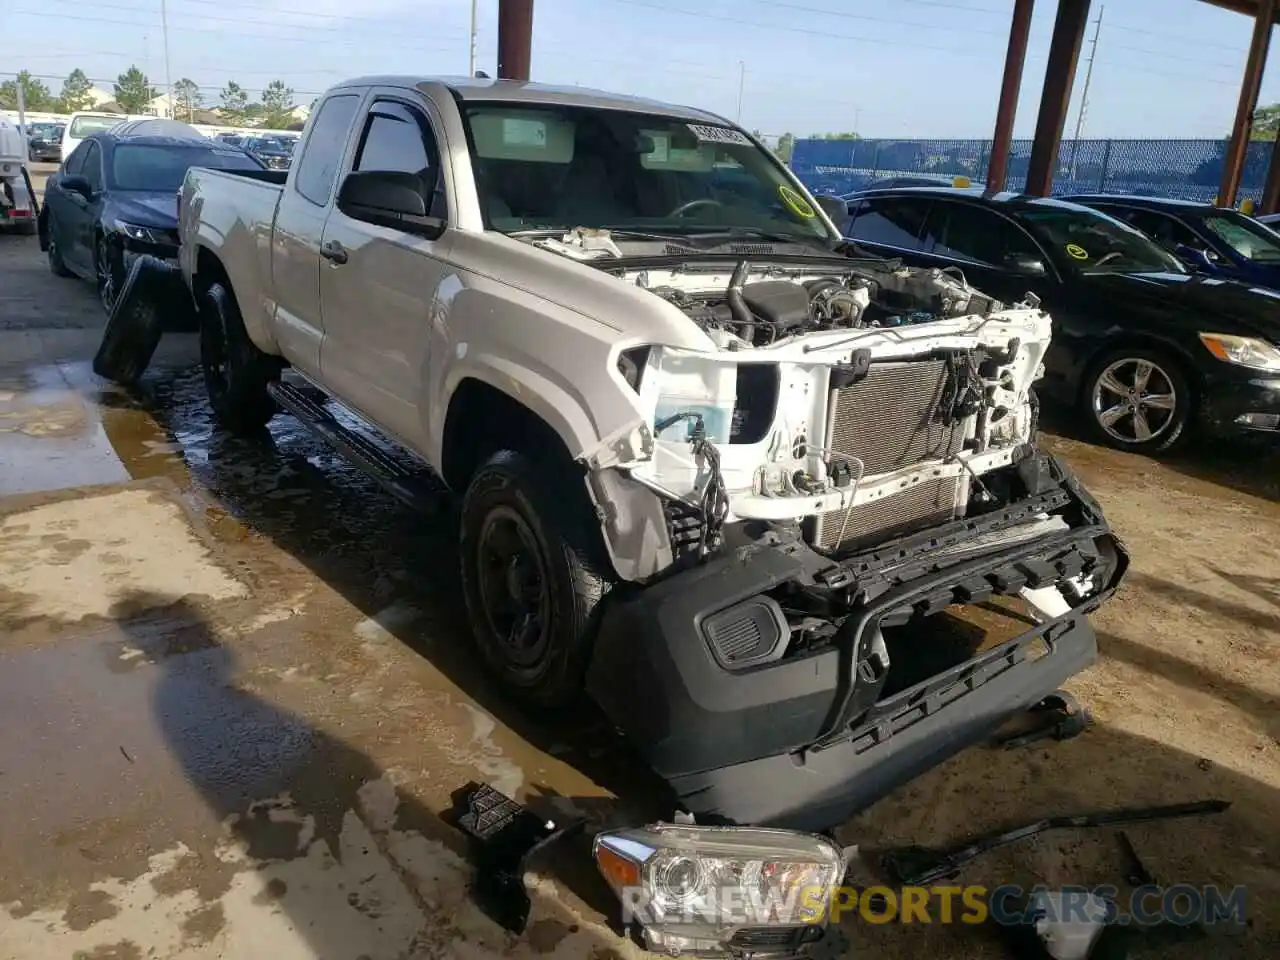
1190 169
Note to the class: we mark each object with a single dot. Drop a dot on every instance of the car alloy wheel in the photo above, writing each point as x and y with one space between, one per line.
106 275
1135 400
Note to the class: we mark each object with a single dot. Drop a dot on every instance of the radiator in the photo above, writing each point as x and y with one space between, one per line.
918 507
887 418
888 421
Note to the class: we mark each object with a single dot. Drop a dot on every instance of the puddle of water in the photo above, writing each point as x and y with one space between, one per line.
50 437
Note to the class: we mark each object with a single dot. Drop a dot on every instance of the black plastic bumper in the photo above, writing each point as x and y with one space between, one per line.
1242 405
805 741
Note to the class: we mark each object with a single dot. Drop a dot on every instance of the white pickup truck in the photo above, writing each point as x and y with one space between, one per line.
719 470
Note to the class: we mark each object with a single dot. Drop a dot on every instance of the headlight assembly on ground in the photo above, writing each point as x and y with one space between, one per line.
693 889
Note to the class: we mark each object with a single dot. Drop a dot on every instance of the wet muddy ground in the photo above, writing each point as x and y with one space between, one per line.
236 694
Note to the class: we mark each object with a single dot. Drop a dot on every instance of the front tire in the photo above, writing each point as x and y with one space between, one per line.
108 269
530 579
1138 399
236 373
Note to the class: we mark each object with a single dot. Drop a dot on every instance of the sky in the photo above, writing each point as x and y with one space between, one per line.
882 68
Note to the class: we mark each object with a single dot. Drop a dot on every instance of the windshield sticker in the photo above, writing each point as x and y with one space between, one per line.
523 133
1077 251
795 203
718 135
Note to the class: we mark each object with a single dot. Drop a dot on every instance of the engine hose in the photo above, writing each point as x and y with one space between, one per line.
737 305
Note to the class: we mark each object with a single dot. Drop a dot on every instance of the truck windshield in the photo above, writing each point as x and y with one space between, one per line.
82 127
161 169
1086 241
560 167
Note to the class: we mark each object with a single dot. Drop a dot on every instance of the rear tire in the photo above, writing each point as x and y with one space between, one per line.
1138 399
236 373
530 580
57 266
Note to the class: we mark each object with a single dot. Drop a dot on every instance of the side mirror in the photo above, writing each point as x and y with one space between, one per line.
1200 258
836 209
388 199
1024 265
77 184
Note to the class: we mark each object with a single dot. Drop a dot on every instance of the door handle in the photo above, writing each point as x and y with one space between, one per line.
333 251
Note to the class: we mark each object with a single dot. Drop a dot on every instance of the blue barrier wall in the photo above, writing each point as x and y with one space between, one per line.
1176 168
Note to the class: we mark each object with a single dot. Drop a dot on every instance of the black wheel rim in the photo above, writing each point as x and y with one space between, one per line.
106 276
213 356
514 587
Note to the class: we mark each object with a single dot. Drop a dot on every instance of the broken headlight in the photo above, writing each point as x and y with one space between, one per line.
700 890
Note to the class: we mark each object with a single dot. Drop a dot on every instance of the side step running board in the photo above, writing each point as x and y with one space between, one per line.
398 472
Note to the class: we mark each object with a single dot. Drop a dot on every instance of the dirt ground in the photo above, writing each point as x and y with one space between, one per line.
237 693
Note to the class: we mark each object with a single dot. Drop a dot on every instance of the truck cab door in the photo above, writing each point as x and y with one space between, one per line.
298 230
378 283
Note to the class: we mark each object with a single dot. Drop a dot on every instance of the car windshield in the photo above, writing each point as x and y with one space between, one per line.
1246 237
560 167
1086 241
161 169
82 127
45 131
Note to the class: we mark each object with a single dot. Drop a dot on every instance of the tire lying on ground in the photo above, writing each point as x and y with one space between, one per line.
136 323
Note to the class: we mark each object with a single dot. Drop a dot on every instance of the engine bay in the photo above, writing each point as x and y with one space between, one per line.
793 301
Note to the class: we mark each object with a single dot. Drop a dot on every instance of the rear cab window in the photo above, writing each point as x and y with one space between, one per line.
315 173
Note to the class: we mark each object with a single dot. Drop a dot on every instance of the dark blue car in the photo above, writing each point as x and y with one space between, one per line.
1208 239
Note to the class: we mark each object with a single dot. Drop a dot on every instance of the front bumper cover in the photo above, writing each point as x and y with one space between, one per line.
803 742
1244 405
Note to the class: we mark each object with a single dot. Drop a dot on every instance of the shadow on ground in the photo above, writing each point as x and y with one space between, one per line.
314 831
1247 464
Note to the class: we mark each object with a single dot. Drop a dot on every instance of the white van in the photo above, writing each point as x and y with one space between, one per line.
85 122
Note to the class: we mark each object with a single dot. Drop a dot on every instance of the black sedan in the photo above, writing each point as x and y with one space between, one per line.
44 143
1141 345
116 197
1207 239
276 153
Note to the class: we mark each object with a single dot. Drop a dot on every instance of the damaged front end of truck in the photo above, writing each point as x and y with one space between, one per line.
816 505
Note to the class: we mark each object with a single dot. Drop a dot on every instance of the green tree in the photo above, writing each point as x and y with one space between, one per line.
786 144
186 98
133 91
234 101
35 93
1266 122
277 105
850 135
75 92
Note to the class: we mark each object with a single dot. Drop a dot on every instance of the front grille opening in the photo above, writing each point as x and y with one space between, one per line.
926 646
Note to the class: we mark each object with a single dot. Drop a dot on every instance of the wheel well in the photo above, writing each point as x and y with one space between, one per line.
209 270
483 420
1185 366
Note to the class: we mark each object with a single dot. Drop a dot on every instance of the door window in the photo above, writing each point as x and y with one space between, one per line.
93 167
398 139
969 232
1163 229
326 143
893 221
74 164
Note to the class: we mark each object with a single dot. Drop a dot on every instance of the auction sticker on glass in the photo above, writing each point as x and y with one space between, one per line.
1077 251
524 133
709 134
795 203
